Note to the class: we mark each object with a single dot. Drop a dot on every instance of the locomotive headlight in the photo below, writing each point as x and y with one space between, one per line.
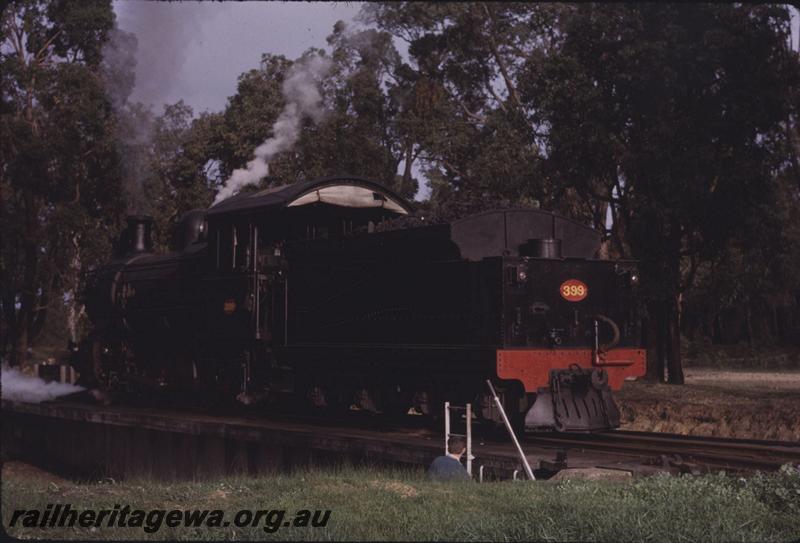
626 277
516 275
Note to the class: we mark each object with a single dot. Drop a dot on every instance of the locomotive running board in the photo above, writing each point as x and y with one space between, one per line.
578 400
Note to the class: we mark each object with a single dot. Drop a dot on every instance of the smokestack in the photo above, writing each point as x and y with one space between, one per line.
139 234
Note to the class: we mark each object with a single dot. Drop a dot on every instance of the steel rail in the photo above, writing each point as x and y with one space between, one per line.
688 450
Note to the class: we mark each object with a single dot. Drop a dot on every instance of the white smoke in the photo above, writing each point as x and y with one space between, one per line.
303 98
25 388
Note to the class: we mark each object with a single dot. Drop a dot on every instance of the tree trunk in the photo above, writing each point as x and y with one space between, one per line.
655 343
20 346
8 324
604 253
409 162
40 311
76 309
776 329
24 317
28 301
673 343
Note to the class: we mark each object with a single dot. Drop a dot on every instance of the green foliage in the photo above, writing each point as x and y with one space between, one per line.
463 105
374 504
360 134
675 116
59 179
660 105
179 167
781 493
755 275
248 118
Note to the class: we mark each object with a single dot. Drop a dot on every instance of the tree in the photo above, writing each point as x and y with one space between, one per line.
59 174
753 282
473 130
249 115
675 116
359 133
179 167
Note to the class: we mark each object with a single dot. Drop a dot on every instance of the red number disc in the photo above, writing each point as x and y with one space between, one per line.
573 290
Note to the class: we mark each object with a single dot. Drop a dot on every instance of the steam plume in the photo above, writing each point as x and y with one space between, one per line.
25 388
302 99
165 33
146 50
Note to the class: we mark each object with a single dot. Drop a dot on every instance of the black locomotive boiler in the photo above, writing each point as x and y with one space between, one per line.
291 292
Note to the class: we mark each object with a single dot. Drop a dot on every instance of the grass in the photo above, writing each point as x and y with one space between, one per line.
740 356
741 403
372 504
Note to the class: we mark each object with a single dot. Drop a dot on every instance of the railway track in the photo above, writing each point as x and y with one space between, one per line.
688 453
693 454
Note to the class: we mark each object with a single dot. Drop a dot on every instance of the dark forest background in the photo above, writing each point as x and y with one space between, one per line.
674 127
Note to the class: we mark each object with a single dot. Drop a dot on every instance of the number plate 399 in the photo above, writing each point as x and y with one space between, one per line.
573 290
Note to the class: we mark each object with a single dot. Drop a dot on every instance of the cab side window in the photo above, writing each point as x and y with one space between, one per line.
241 247
222 246
232 247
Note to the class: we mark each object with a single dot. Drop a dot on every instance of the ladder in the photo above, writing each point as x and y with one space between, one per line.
468 409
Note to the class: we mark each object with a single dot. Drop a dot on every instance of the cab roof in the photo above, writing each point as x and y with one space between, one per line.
343 191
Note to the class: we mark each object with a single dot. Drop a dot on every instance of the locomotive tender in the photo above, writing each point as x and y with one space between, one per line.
291 291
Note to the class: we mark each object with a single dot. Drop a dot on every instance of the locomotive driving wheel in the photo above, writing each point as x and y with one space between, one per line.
95 367
93 362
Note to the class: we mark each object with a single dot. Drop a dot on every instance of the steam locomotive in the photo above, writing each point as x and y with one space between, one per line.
293 292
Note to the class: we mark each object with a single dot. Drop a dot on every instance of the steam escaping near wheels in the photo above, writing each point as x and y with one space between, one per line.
20 387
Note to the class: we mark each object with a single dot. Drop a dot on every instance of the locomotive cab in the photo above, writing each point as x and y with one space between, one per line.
246 288
247 235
